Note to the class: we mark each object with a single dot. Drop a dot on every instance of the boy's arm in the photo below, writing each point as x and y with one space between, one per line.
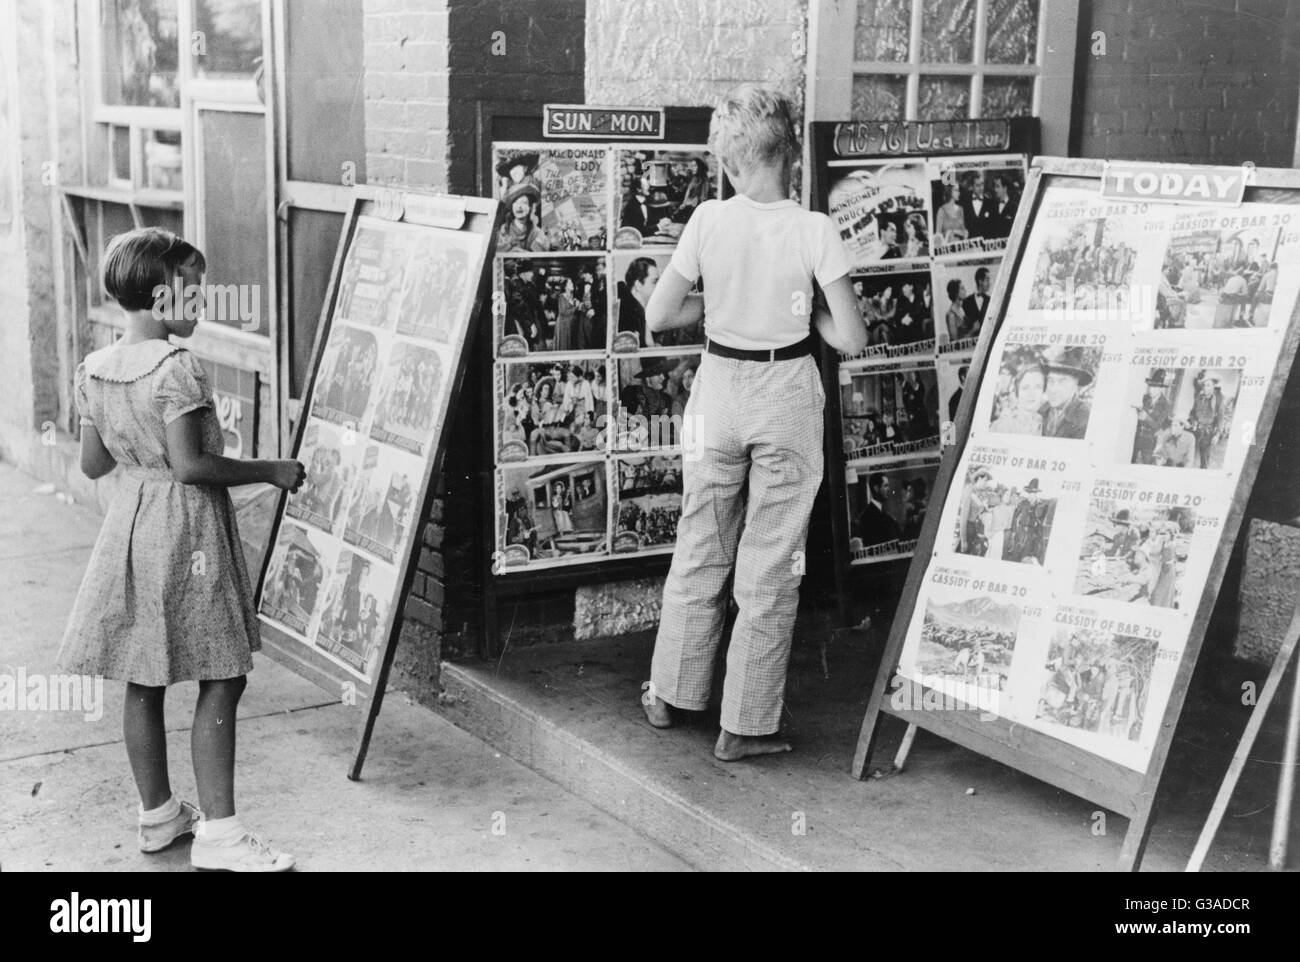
839 321
192 465
95 458
672 304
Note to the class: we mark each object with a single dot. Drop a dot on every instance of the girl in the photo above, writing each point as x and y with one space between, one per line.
166 596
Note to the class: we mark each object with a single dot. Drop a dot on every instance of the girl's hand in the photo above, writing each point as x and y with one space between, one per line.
288 475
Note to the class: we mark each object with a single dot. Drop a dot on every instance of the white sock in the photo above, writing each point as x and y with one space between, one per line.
163 813
220 829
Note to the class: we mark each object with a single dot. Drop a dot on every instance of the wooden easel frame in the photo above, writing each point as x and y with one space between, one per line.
1122 790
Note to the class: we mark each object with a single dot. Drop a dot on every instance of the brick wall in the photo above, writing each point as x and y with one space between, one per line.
1215 81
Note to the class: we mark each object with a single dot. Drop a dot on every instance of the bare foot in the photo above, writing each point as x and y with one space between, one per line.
657 711
732 748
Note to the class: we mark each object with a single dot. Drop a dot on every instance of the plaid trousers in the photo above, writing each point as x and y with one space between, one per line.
755 422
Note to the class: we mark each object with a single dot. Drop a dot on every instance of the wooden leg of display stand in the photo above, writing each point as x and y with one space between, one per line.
1135 841
900 758
1286 781
1247 742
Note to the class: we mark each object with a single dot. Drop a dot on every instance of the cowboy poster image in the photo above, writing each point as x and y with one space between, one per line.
653 391
1221 270
635 277
556 197
331 455
408 399
882 211
1190 407
975 201
962 291
889 411
649 504
1044 386
347 376
965 633
383 504
437 294
545 410
658 191
353 619
295 578
551 304
378 266
551 514
897 306
1008 507
886 506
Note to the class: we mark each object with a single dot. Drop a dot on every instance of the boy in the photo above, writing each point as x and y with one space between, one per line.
755 413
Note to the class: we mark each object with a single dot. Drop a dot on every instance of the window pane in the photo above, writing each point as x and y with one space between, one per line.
1012 32
883 30
120 152
229 41
325 90
943 98
879 96
162 159
313 240
141 53
1008 97
947 31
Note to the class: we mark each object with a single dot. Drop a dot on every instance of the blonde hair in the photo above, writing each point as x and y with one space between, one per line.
754 125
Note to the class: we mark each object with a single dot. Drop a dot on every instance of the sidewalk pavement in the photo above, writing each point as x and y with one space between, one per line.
432 796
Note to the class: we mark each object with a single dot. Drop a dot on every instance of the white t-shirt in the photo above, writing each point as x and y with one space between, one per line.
758 262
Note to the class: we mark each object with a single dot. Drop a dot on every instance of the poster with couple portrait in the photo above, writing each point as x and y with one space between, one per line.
974 202
550 515
887 504
888 411
1046 385
557 196
635 278
882 211
550 304
553 409
962 289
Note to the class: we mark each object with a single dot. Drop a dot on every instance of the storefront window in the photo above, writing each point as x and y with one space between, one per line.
1008 97
947 31
883 30
120 152
943 98
228 38
140 53
1012 31
161 155
879 95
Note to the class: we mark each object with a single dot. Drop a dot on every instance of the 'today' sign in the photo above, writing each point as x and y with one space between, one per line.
1176 183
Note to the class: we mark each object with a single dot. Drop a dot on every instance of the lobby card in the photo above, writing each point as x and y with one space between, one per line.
974 202
882 211
407 410
295 579
354 618
897 305
1101 681
967 630
648 505
1192 406
551 514
889 410
1010 506
634 279
1224 270
551 304
961 300
951 372
382 507
333 457
349 375
438 291
380 263
1047 384
1147 543
887 504
551 409
653 391
658 190
556 196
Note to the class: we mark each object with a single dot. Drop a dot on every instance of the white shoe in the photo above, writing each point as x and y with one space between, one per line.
248 853
155 838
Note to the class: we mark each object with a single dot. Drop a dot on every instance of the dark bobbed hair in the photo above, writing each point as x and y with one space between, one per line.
140 261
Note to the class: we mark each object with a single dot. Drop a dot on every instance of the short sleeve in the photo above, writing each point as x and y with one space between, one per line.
686 257
180 386
832 261
82 398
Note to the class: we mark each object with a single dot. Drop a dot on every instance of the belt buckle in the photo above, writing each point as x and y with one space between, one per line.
771 354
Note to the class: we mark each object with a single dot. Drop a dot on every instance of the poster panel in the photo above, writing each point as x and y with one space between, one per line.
551 304
552 514
552 409
889 410
635 277
974 202
882 211
557 196
658 189
886 506
649 504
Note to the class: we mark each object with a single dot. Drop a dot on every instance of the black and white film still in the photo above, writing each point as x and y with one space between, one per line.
653 391
635 278
552 514
333 457
383 503
295 579
882 211
1008 506
354 614
1044 386
897 306
557 198
552 408
551 304
658 190
349 372
648 505
961 300
1081 263
889 410
408 397
975 201
886 507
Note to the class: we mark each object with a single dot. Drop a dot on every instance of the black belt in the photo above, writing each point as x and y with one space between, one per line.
787 353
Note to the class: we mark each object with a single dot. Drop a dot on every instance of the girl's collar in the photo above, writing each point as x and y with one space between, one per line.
123 363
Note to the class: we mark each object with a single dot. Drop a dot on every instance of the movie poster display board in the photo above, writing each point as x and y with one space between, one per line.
1110 429
409 277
